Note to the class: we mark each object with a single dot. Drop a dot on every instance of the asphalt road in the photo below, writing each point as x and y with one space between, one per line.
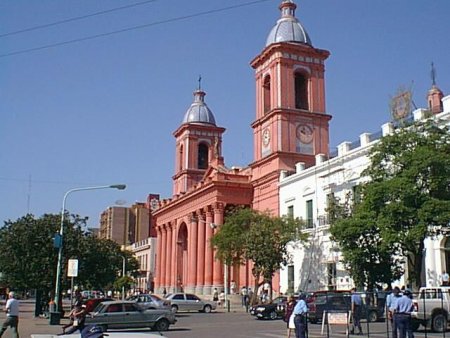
242 325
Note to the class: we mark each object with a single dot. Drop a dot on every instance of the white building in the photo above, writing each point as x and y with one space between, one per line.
145 253
304 194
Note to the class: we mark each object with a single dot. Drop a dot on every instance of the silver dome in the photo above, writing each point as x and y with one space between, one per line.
199 112
288 28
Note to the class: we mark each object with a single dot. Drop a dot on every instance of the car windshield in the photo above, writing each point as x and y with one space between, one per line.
279 300
99 308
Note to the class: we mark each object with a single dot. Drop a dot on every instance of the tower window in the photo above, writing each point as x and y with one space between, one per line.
266 94
301 91
202 156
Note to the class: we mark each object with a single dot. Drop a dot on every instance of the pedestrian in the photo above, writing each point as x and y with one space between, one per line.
356 305
403 308
12 315
288 316
221 299
445 278
300 312
164 293
244 296
215 295
391 304
233 287
250 296
77 318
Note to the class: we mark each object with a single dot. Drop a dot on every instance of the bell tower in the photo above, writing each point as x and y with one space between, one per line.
291 122
198 144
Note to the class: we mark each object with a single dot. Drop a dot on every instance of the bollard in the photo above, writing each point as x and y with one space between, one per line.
228 305
54 318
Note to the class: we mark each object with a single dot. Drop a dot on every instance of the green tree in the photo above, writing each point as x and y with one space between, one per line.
28 257
248 235
406 200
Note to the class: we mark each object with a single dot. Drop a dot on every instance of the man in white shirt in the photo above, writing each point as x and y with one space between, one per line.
445 278
12 316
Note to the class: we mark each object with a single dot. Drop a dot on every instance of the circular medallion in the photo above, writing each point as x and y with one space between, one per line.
305 133
266 137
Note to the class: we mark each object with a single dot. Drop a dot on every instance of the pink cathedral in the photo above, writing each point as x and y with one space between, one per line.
291 125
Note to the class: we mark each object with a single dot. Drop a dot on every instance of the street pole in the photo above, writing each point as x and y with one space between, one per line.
61 236
225 281
123 275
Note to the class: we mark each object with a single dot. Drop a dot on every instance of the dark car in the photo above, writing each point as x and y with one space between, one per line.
341 302
270 310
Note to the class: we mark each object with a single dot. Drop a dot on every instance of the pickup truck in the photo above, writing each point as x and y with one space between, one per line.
432 308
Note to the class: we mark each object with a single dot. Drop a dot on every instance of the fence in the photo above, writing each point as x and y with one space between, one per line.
330 315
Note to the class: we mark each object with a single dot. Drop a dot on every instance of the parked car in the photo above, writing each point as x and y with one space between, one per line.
87 294
92 303
270 310
341 302
432 308
147 301
128 314
189 302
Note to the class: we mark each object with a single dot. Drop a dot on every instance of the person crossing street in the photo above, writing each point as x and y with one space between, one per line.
12 316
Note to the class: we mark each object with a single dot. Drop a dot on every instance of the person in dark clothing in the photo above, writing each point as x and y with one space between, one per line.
356 311
290 305
77 318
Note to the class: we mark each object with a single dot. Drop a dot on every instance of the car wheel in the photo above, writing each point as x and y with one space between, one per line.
207 309
174 309
162 325
439 322
372 316
273 315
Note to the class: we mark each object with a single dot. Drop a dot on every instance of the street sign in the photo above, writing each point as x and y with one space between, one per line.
72 268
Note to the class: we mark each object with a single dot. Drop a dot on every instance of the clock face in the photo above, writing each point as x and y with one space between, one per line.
266 137
305 133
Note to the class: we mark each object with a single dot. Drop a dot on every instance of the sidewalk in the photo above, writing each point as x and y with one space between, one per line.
235 305
28 324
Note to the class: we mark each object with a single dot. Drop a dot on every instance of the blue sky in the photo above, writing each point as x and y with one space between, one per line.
103 111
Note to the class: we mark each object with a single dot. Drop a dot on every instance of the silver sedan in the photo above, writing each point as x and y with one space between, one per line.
128 314
189 302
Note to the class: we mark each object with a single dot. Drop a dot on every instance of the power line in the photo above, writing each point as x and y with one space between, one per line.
91 37
75 18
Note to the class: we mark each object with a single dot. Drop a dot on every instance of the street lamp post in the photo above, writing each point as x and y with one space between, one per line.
123 275
61 234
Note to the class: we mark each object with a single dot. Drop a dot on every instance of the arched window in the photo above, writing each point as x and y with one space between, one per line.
180 158
202 156
301 91
266 94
